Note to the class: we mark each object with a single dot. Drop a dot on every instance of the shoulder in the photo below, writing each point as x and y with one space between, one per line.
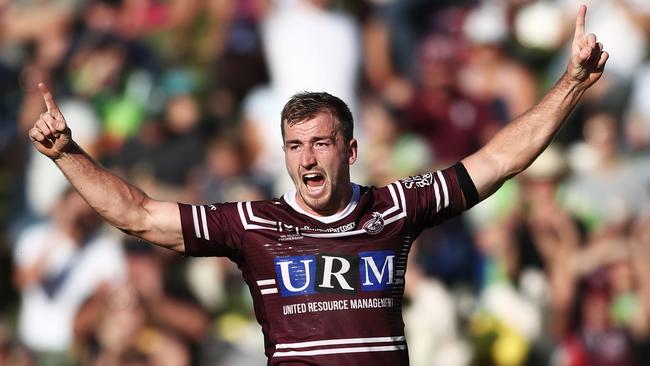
389 200
259 214
403 189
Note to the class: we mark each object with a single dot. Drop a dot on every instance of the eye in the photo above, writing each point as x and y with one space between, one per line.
321 144
294 147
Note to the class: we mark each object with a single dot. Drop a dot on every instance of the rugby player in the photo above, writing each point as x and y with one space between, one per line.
325 263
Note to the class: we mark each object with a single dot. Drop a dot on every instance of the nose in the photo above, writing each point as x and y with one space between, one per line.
307 158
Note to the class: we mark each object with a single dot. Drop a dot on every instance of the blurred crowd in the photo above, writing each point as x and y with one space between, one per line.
183 98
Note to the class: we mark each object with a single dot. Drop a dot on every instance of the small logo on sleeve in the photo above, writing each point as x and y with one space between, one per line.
418 181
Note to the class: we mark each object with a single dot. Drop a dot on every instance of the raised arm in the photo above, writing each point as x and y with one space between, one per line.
518 144
121 204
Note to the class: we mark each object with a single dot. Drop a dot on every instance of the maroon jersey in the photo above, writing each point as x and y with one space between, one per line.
327 290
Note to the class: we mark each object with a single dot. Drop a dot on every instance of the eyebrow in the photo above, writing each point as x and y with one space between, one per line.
315 138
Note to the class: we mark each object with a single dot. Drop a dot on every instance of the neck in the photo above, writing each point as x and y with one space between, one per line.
337 204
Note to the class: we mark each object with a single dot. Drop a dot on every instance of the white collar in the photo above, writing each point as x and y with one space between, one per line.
290 198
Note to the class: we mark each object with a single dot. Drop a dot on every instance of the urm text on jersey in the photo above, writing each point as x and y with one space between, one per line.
335 273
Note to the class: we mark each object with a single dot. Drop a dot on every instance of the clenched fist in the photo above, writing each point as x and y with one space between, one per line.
50 135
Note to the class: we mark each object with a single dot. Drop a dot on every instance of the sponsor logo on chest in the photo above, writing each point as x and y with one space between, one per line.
336 273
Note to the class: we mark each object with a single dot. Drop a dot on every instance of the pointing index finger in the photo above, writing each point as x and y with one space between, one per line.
580 22
50 103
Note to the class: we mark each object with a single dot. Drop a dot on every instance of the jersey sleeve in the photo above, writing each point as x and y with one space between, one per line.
433 197
211 230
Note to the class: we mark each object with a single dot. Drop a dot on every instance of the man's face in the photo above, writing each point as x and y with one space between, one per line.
318 161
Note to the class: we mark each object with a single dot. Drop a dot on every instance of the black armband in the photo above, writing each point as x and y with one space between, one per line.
466 185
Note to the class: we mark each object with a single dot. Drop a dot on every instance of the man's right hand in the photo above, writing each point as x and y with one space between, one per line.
587 56
50 135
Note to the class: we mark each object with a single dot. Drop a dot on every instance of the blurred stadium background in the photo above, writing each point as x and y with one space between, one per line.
182 97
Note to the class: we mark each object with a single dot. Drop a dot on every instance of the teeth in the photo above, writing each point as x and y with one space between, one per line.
310 176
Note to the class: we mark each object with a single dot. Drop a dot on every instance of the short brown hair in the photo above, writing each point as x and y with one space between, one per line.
306 105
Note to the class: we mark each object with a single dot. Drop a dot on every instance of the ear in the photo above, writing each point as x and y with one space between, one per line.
352 151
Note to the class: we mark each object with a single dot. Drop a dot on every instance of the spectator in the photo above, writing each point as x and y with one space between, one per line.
59 263
602 324
489 74
453 124
139 320
606 190
637 115
389 144
166 152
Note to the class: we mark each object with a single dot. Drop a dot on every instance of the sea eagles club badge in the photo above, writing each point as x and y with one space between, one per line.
375 224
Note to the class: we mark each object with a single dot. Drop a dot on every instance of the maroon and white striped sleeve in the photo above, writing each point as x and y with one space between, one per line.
432 197
211 230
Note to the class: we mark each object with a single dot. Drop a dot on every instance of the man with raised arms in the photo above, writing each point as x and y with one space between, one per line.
329 241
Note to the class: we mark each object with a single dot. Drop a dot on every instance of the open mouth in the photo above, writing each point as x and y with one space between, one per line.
313 180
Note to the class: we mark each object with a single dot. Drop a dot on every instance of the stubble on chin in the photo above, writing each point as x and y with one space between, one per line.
316 205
